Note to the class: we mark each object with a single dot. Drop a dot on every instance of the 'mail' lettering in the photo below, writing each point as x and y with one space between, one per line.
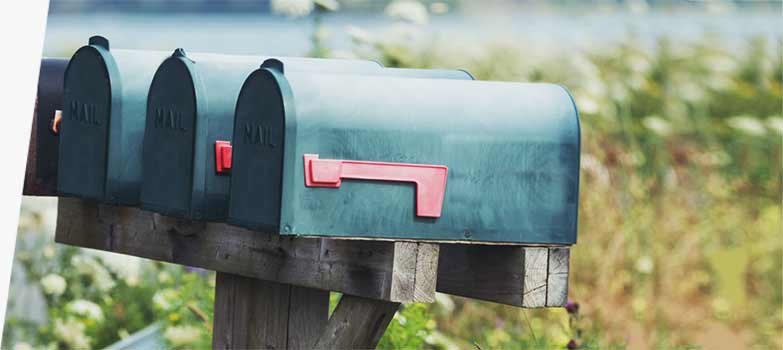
166 118
256 134
84 113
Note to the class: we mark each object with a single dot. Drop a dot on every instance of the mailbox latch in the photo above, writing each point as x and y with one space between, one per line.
430 180
223 157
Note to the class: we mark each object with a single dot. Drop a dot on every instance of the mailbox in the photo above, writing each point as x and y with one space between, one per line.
105 97
41 175
384 157
190 124
190 108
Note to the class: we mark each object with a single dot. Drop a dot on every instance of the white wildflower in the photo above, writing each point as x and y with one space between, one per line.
164 277
657 125
23 346
639 64
439 8
692 92
590 164
71 332
181 335
721 64
586 104
48 251
293 8
88 265
400 319
408 11
776 124
638 6
359 35
747 124
85 308
163 298
445 302
125 266
644 264
53 284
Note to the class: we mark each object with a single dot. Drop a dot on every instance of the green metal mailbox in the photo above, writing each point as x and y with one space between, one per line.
187 150
105 98
383 157
41 175
190 115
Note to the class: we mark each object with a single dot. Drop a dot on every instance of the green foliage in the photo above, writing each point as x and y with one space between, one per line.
94 299
409 329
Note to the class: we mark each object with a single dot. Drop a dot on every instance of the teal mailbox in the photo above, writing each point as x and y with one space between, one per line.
190 124
384 157
104 108
190 115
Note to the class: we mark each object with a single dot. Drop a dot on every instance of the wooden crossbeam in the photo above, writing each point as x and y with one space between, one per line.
386 270
400 272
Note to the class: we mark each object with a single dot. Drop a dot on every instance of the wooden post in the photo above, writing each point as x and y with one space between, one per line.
256 314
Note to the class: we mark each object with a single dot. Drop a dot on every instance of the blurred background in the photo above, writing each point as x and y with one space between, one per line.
680 232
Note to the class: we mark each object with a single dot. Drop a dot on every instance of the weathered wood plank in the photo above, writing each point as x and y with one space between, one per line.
308 314
362 268
359 267
404 271
256 314
357 323
250 313
426 272
557 281
536 270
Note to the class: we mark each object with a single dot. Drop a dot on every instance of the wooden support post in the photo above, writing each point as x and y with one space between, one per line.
256 314
357 323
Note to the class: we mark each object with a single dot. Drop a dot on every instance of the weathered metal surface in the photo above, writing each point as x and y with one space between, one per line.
512 152
105 98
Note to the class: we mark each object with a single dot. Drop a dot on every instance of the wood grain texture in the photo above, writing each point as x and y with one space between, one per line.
357 323
536 270
426 272
250 313
363 268
360 267
308 313
256 314
404 271
557 281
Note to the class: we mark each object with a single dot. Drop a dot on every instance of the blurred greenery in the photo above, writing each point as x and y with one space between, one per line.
680 242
